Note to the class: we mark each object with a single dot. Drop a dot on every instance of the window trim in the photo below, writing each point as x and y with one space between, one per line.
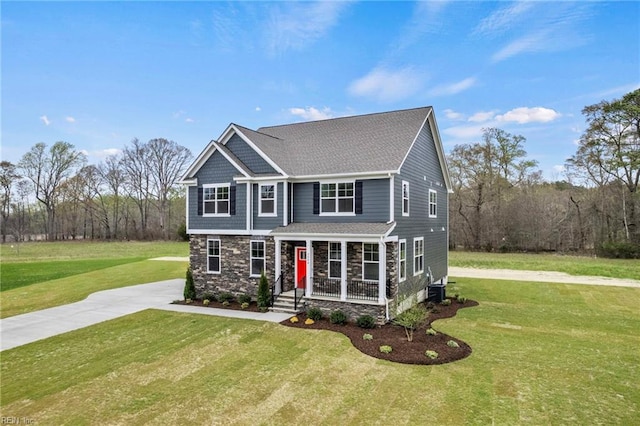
337 198
405 183
402 267
215 201
251 258
416 256
338 260
219 256
275 200
433 203
377 250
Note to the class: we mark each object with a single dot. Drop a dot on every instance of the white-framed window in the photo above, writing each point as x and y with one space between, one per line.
257 258
418 255
335 260
405 198
370 261
402 260
337 198
433 203
267 204
215 199
213 256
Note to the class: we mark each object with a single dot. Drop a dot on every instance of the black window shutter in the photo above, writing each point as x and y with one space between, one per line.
232 200
200 201
316 198
358 198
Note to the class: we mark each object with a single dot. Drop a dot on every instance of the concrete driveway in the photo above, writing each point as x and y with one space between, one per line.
106 305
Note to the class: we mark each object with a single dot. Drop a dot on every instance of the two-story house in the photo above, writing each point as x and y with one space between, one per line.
352 211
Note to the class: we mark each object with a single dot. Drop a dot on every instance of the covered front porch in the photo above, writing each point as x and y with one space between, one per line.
343 262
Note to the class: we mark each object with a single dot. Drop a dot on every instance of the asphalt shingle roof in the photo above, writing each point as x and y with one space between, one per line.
358 144
362 229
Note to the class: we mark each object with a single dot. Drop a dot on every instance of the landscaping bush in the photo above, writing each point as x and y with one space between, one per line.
431 354
620 250
245 305
209 296
225 297
411 319
367 336
431 332
264 298
453 344
189 287
206 302
314 313
366 321
446 302
338 317
462 299
386 349
244 298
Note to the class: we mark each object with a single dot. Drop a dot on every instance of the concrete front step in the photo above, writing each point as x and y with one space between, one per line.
285 303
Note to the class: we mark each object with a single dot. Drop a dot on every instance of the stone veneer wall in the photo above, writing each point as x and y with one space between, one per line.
351 310
235 255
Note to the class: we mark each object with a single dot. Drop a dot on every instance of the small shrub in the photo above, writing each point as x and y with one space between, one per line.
462 299
431 332
314 313
453 344
189 287
411 319
264 296
245 305
206 302
309 321
431 305
188 301
225 297
446 302
226 303
338 317
366 321
386 349
294 320
244 298
431 354
209 296
367 336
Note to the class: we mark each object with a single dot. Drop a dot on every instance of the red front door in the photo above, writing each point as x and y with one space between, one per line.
301 267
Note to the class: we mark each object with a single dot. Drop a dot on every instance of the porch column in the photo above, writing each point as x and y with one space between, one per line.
343 270
278 265
309 283
382 271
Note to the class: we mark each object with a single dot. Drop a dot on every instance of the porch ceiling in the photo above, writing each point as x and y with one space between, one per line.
365 230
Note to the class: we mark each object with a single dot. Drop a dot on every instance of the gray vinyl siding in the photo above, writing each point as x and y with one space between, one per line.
248 156
375 204
268 222
422 170
217 170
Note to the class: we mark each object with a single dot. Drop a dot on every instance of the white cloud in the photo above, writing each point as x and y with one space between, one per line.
524 115
533 42
387 85
295 25
45 120
189 120
311 113
482 116
464 132
453 115
258 109
504 18
103 153
70 119
453 88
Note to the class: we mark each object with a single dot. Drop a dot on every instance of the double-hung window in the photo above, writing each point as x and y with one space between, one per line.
215 199
402 262
405 198
370 261
433 203
267 205
335 260
418 255
337 197
257 258
213 256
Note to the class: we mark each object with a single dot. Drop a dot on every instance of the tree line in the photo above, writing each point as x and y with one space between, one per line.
52 191
500 201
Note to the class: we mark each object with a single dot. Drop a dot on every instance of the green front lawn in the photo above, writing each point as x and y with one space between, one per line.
543 354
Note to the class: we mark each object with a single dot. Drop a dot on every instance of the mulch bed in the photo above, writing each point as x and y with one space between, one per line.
403 351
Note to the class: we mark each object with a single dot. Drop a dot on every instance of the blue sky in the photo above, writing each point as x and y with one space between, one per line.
98 74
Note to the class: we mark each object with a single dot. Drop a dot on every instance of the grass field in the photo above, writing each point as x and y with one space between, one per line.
574 265
41 275
543 354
